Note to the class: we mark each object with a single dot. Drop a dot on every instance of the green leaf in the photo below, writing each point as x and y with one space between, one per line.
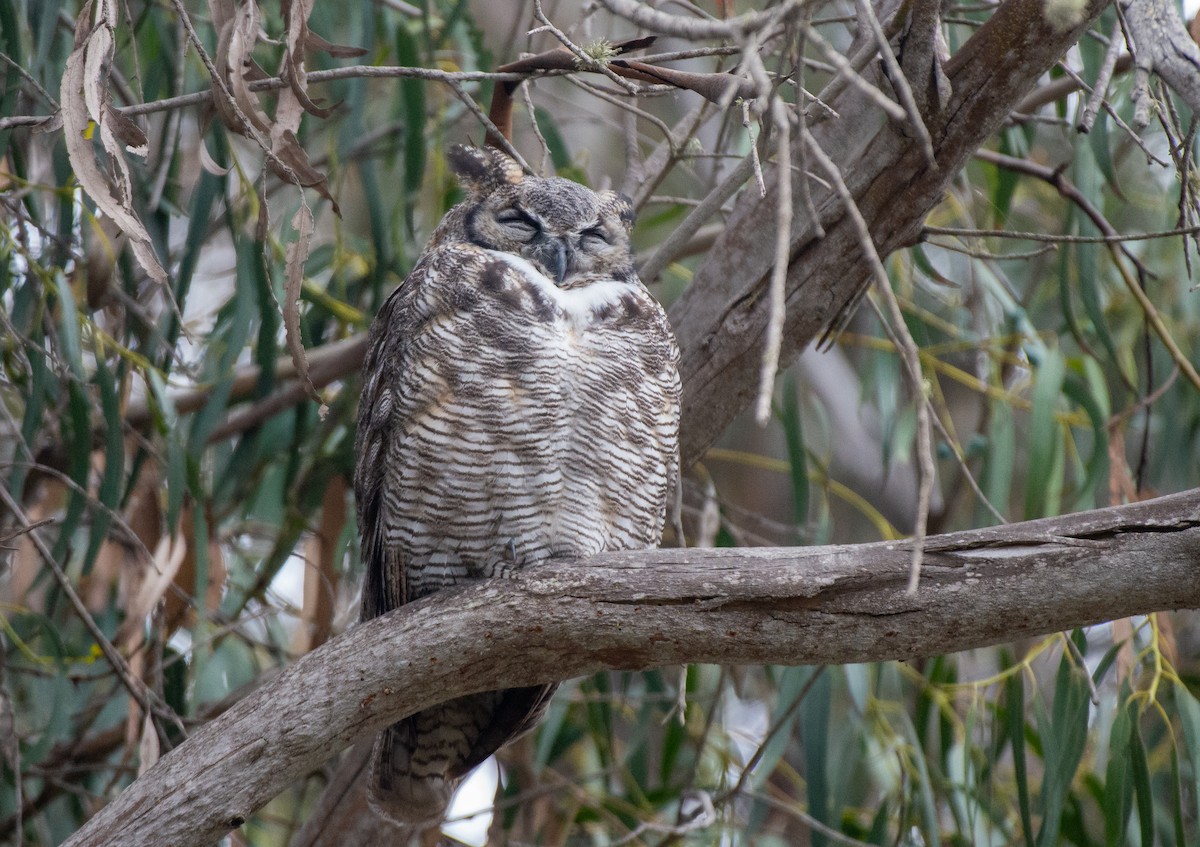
1091 395
168 425
1063 737
109 492
1189 718
793 433
412 101
1000 460
560 156
1118 788
1140 772
814 733
69 326
1014 702
1044 485
10 86
208 188
1003 182
598 698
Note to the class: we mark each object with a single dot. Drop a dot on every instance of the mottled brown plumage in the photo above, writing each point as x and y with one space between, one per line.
520 402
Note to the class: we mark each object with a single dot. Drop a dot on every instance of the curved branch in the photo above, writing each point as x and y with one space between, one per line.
815 605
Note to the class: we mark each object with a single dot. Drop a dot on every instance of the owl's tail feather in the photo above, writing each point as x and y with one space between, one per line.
397 791
419 761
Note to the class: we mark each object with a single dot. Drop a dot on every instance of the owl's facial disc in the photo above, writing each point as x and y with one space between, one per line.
562 228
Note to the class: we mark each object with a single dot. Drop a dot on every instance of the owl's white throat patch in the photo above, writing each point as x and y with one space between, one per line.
581 305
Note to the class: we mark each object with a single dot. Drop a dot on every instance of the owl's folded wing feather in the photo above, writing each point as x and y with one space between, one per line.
388 348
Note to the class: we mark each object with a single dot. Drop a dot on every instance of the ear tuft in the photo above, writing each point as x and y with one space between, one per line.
481 169
622 205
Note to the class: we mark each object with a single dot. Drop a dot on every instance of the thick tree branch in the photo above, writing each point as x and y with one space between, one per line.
720 319
1162 45
816 605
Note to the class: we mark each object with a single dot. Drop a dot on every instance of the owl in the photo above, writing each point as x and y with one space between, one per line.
520 403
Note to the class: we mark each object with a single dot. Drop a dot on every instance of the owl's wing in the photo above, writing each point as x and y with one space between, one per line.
389 350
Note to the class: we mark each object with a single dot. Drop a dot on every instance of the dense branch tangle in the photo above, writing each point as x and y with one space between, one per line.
713 86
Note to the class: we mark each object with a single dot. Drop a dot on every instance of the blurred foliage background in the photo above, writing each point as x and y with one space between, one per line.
195 502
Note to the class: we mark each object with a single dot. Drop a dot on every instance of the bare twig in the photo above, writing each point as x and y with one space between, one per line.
625 105
682 234
1129 131
656 165
782 721
495 135
1103 78
802 122
909 354
1050 238
531 113
849 73
1057 89
583 60
326 363
773 337
694 29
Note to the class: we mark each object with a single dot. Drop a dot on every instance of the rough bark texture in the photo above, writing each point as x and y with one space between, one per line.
1162 45
721 317
816 605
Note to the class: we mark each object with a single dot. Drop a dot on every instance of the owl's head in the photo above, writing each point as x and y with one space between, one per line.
561 227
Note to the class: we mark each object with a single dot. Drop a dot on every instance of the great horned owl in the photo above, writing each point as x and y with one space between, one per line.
520 402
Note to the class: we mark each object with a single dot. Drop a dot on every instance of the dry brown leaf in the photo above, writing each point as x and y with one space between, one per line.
128 131
238 36
239 28
209 163
221 12
295 14
298 170
85 99
297 255
148 746
108 568
337 51
146 586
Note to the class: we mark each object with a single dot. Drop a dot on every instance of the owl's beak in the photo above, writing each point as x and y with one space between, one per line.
555 256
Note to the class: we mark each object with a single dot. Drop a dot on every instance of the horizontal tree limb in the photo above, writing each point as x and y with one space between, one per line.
637 610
